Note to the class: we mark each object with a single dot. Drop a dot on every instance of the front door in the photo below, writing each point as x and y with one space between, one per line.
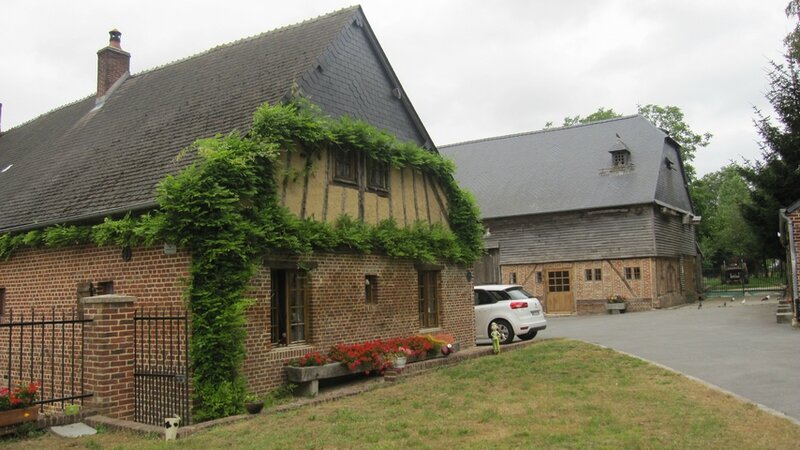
559 292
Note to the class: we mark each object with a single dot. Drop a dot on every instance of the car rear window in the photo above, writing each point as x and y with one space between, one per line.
517 293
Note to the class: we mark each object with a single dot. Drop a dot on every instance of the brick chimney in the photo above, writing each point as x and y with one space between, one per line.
112 63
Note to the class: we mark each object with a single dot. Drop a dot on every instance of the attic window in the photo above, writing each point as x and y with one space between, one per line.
620 158
669 163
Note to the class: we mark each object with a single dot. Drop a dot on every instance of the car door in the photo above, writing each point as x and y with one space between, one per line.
484 304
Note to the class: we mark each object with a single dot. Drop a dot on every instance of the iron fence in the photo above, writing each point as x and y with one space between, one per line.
731 282
45 348
161 374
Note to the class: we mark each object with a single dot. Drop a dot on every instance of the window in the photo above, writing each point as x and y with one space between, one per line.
289 307
620 158
371 289
538 277
512 278
2 303
483 298
377 175
428 299
558 281
104 288
633 273
593 274
345 167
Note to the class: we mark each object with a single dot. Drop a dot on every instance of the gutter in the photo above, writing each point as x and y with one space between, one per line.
792 249
82 217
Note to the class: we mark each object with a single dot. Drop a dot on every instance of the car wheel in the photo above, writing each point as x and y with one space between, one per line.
506 332
528 336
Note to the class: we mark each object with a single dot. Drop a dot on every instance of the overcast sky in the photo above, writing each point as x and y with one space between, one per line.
472 69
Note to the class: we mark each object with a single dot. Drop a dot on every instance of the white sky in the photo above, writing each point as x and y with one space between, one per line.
472 69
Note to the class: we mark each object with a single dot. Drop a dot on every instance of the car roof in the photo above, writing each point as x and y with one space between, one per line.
497 287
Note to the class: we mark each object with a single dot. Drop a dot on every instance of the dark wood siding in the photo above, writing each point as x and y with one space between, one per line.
577 236
673 238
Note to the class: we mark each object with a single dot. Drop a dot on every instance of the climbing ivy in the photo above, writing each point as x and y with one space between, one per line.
225 209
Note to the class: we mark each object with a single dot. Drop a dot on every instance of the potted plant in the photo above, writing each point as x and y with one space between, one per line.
253 403
17 406
616 304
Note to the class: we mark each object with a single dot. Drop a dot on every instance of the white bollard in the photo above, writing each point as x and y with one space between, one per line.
171 428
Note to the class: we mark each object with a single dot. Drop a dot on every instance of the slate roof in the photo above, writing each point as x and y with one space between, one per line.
567 169
74 163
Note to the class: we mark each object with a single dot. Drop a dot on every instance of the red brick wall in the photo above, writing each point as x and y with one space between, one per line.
44 278
339 313
794 217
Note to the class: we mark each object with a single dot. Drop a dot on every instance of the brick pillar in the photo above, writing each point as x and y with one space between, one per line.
109 354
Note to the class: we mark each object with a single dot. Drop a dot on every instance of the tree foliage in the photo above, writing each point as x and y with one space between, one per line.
718 197
775 179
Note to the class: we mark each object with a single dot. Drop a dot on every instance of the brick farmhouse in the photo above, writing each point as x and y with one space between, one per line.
580 214
104 155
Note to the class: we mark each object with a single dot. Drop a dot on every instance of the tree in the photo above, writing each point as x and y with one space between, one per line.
775 181
718 197
668 118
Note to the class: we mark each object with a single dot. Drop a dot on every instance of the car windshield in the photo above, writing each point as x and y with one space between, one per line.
517 293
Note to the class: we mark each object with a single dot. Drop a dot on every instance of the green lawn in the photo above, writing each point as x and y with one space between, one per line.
553 394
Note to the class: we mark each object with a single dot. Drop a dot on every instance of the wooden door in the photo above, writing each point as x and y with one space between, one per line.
559 292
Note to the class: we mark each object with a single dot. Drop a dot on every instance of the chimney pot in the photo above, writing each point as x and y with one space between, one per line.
114 38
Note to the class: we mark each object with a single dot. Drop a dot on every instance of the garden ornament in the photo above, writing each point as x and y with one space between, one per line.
495 339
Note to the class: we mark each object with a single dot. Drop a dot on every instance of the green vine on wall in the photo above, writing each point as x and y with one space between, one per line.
225 209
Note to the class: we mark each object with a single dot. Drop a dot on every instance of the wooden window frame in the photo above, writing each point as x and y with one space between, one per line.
633 273
539 277
377 175
283 309
429 304
512 278
558 281
348 160
587 274
598 274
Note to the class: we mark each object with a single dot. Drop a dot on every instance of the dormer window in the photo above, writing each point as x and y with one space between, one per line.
620 154
620 158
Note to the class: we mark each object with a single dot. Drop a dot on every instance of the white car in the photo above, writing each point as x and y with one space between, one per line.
516 312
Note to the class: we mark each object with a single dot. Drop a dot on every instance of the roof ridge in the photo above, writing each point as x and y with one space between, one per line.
196 55
246 39
57 108
542 131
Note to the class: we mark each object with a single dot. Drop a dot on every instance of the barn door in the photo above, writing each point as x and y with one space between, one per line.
559 292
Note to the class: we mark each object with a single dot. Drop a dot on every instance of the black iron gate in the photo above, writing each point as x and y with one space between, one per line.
161 374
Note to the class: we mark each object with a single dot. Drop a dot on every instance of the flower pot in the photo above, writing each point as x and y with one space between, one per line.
254 407
14 416
399 362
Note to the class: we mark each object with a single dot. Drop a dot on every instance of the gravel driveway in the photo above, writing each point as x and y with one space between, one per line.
738 347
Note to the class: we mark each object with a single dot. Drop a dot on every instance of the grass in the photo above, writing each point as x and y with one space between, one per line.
555 394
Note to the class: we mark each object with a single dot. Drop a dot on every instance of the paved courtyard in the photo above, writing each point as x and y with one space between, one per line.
738 347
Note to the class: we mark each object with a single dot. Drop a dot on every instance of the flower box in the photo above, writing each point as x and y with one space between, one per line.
616 308
15 416
306 374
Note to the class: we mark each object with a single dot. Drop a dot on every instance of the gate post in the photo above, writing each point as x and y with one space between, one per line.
109 354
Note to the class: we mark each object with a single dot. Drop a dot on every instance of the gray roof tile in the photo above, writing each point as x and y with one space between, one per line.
564 169
72 162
